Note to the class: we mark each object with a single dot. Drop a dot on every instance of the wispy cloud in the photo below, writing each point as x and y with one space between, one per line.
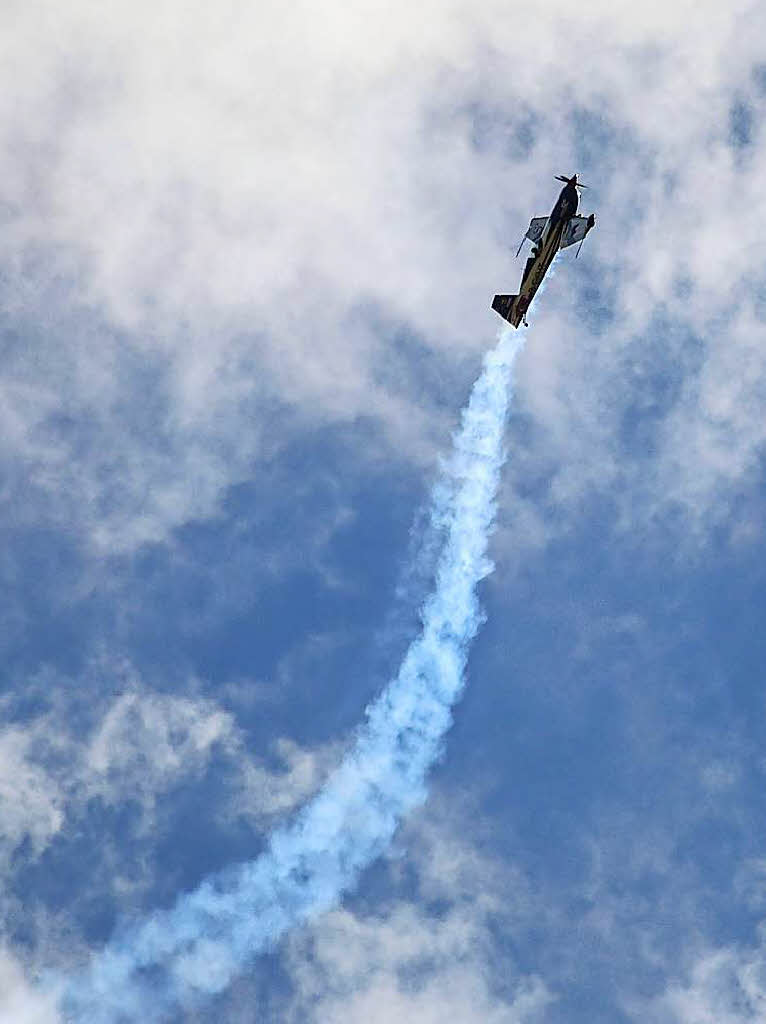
21 1002
168 213
723 986
426 950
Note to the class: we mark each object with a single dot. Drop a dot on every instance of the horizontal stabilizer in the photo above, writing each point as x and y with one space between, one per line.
503 304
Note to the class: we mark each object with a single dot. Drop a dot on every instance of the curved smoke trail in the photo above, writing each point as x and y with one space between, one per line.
198 946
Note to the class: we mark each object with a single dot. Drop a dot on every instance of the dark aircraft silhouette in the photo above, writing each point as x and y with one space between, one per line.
548 235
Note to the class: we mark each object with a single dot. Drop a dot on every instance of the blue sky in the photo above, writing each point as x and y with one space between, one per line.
247 260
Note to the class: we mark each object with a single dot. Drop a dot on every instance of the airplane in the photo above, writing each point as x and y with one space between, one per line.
548 235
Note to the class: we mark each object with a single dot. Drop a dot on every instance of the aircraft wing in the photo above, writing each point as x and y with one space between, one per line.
536 228
576 230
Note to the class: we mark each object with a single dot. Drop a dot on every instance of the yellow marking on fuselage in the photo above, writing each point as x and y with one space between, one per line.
539 268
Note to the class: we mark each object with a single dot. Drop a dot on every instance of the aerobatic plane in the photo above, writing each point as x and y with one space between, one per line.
547 235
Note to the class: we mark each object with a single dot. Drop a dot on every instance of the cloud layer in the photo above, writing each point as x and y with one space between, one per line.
230 213
247 258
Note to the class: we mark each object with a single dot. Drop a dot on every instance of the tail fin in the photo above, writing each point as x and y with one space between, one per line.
503 304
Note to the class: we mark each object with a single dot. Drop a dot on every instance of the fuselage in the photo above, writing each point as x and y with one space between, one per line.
544 252
566 207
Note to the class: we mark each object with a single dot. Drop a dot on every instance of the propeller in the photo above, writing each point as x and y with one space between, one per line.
571 181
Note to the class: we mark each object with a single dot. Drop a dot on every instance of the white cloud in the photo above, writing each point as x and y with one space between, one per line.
232 187
139 747
146 743
724 986
31 805
21 1002
424 958
260 793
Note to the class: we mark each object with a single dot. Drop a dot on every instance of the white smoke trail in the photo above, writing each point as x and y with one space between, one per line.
198 946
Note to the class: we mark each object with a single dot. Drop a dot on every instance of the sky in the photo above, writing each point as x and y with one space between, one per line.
247 257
